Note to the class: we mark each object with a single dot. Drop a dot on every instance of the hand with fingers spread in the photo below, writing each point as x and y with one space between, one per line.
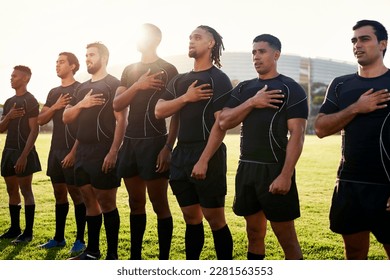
151 81
91 100
62 101
15 113
267 99
372 100
197 93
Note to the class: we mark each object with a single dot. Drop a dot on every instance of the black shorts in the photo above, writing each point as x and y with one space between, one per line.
252 193
88 167
138 157
9 159
57 174
360 207
211 191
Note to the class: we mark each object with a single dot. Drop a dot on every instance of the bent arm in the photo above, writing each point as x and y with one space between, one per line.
326 125
167 108
46 115
231 117
71 113
124 96
369 101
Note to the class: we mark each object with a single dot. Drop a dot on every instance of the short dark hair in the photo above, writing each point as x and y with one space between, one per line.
23 69
270 39
72 59
379 30
102 49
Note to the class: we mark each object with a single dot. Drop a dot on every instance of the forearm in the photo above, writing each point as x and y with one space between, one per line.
124 96
120 130
215 139
293 152
32 137
71 114
4 124
326 125
294 146
167 108
173 130
231 117
74 148
46 115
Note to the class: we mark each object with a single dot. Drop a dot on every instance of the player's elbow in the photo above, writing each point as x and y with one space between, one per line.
117 106
223 125
159 110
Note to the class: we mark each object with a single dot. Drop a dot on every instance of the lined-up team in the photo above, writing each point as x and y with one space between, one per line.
107 129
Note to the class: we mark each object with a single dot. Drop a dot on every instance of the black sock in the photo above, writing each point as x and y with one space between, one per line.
14 212
164 229
194 240
61 214
79 213
223 243
29 214
253 256
111 224
94 224
137 230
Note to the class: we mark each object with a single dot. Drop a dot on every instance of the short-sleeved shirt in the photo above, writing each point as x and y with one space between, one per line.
19 129
64 135
264 132
142 122
366 139
197 118
97 124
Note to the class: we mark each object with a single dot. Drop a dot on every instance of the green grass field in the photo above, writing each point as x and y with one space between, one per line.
316 173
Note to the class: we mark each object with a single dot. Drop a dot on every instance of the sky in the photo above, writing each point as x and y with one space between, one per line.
33 33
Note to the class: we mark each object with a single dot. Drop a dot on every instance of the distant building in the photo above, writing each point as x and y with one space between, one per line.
238 66
319 71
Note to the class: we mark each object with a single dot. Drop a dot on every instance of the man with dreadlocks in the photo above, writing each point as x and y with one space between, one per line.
198 165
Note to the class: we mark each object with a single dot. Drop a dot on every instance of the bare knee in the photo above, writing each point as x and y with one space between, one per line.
192 214
215 217
256 226
60 193
75 195
356 246
287 237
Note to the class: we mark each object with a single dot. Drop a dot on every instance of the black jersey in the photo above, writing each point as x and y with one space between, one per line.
142 122
64 135
19 129
197 118
264 131
366 139
97 124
